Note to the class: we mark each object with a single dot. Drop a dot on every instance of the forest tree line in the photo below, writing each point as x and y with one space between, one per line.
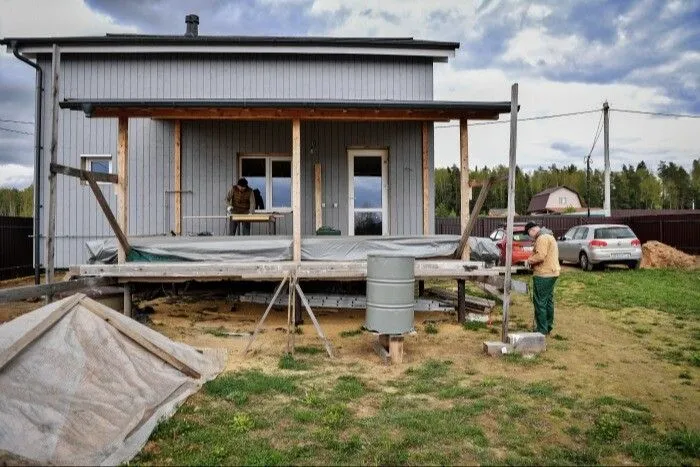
670 186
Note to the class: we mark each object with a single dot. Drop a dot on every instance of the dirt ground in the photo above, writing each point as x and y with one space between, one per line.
593 351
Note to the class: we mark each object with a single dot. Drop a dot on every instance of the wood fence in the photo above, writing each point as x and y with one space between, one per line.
16 251
680 230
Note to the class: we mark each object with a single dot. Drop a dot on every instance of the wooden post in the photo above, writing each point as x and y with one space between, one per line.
606 154
123 183
296 189
426 180
461 301
464 189
467 231
127 300
178 177
298 314
51 236
511 209
318 201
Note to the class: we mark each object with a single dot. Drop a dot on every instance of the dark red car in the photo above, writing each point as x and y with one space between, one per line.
522 243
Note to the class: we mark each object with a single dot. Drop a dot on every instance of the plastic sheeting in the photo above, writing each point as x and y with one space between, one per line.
279 248
85 394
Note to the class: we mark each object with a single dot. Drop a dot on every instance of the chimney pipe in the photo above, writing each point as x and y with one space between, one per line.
192 22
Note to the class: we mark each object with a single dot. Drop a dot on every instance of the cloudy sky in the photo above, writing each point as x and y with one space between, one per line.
567 56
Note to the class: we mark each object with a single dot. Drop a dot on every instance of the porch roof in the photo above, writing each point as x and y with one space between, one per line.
286 109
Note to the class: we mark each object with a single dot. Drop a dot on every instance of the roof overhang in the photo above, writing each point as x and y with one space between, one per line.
269 109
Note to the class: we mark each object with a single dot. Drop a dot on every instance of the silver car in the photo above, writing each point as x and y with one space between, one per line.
600 244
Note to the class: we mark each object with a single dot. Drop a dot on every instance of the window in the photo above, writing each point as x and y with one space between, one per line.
614 233
562 200
570 234
272 176
581 233
99 163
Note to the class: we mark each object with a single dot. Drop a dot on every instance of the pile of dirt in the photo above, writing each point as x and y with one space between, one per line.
657 255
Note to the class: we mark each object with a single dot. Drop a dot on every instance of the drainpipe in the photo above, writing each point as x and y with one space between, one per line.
37 162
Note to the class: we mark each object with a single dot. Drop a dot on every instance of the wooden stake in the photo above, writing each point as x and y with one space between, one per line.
464 190
127 301
121 237
44 325
426 180
123 183
267 311
511 209
461 302
296 189
396 349
473 218
305 302
318 200
178 176
51 236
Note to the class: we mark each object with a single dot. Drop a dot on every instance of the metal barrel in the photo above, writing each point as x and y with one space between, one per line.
390 294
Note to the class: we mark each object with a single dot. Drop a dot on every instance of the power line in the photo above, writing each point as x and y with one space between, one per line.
16 131
23 122
658 114
597 134
541 117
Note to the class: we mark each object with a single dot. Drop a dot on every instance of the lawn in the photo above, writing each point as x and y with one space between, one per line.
618 384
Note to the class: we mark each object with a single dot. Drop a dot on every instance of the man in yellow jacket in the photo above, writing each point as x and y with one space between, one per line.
545 268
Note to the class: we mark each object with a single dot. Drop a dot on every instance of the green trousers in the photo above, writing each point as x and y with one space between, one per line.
543 299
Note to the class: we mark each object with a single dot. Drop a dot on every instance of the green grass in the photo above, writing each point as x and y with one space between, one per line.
474 325
431 328
672 291
288 362
352 333
218 332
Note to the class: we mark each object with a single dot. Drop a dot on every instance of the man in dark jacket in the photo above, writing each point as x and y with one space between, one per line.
240 200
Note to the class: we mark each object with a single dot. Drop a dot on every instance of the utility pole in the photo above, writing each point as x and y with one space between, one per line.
606 143
588 183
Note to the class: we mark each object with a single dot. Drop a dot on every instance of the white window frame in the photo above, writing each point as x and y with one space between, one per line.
384 153
269 158
85 160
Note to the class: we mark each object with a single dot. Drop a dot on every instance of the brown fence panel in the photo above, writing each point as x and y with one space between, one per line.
16 252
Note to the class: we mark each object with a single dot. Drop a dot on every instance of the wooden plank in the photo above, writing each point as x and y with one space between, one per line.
426 180
318 200
44 325
463 246
396 349
296 190
127 300
258 326
305 302
511 209
178 176
33 291
51 234
346 114
258 217
461 304
79 173
123 184
123 242
464 190
102 311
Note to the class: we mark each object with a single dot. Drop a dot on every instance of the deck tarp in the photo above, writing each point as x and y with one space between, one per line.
279 248
84 393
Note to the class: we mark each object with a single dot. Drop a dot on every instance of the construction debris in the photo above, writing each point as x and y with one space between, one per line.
657 255
85 385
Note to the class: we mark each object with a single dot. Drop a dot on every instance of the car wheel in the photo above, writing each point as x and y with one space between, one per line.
584 262
633 265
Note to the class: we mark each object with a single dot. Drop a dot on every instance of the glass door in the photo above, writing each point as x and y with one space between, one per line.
367 170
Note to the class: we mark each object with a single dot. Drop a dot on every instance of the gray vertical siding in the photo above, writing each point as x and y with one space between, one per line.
210 147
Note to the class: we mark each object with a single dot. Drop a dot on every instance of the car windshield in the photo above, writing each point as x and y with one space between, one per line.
520 237
614 232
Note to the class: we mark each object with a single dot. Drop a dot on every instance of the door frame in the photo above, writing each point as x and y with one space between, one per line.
384 153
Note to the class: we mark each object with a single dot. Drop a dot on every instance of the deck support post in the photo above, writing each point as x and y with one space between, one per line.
178 176
127 300
464 188
461 301
123 183
427 227
511 209
296 189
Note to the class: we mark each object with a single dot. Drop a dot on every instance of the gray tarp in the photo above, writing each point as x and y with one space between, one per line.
279 248
85 394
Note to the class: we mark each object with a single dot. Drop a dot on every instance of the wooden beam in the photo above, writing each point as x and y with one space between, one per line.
296 190
318 200
121 237
461 302
464 241
33 291
427 227
51 236
123 184
103 312
79 173
213 113
511 209
178 177
34 333
464 190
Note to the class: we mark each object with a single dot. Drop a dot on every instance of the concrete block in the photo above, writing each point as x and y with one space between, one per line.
528 342
497 348
481 318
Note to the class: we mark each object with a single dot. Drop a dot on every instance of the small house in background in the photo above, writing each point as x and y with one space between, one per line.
499 212
557 200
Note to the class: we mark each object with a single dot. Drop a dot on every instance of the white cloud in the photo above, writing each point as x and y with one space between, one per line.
15 176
